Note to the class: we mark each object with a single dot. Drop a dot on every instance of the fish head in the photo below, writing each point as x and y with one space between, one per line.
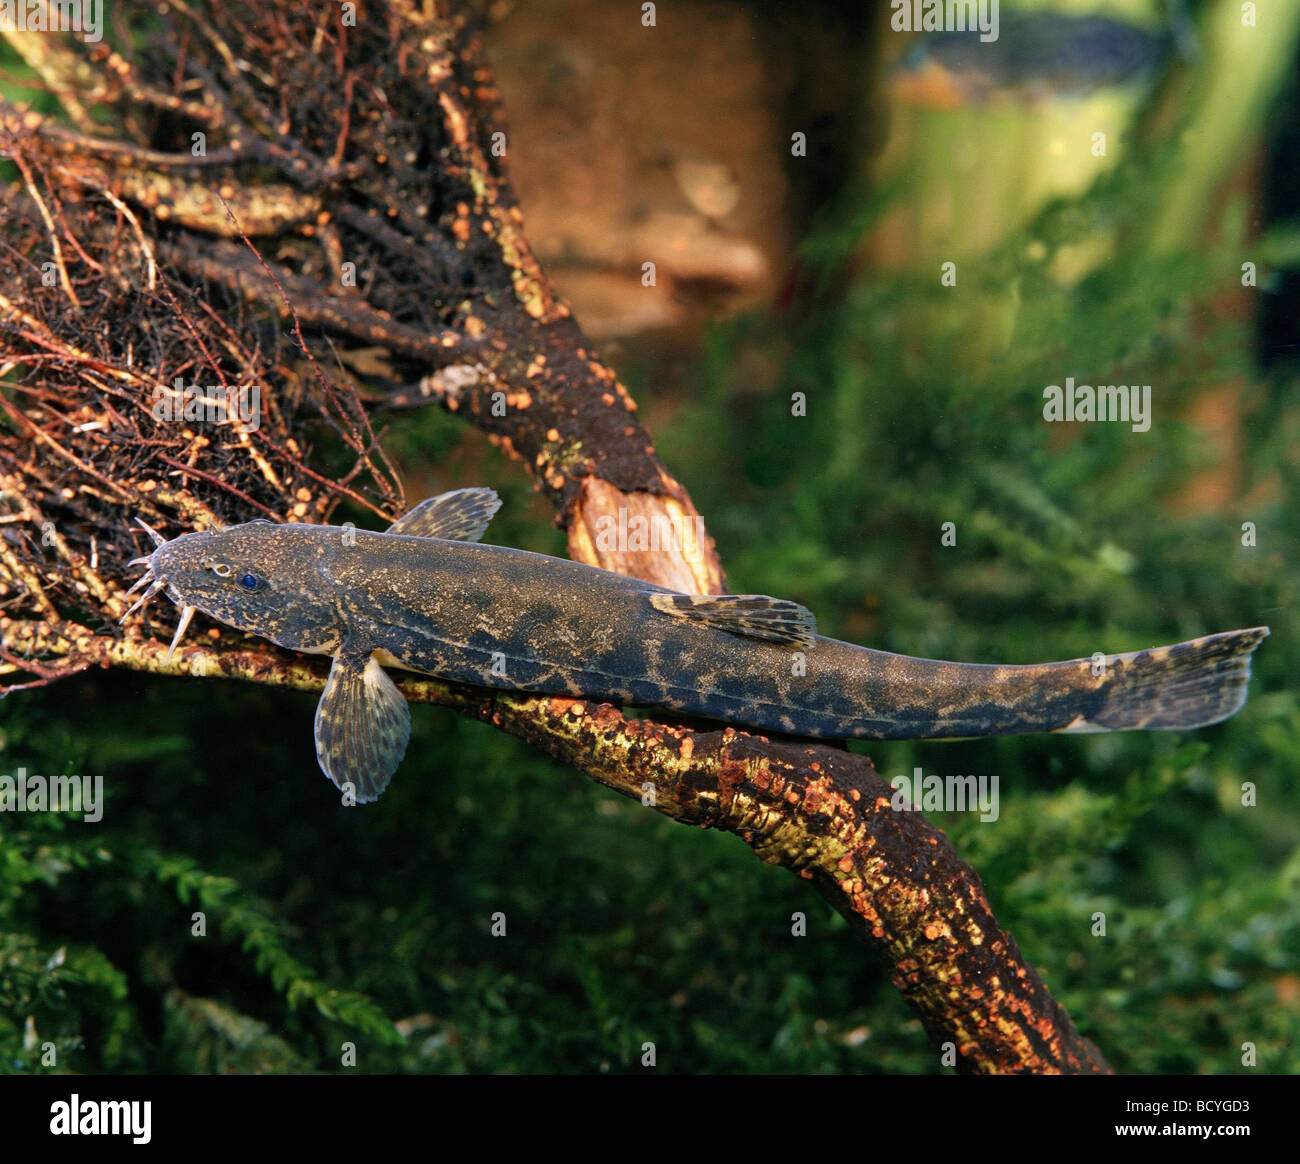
259 577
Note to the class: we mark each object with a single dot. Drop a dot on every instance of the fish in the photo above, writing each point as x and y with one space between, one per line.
1042 54
427 596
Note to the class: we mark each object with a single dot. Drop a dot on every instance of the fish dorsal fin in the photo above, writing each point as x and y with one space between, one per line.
461 515
363 725
754 616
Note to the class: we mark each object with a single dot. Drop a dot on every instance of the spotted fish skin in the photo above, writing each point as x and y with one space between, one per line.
512 620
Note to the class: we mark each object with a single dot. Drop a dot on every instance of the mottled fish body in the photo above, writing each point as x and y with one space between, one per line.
426 597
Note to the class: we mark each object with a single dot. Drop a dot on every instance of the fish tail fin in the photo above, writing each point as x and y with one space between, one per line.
1179 687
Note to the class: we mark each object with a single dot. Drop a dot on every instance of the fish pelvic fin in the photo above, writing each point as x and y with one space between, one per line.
363 725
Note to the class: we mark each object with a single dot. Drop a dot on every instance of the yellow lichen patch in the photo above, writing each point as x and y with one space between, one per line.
531 292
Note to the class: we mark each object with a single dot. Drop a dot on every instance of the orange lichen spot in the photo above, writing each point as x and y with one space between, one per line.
607 399
474 327
148 486
553 435
303 495
806 874
845 863
688 748
460 229
520 399
854 795
299 510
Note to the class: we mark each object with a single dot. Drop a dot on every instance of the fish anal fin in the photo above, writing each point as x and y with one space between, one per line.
461 515
363 725
754 616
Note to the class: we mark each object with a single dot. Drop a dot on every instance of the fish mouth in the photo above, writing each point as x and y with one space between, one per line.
156 583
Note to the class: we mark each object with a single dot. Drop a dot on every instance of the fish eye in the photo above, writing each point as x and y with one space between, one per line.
251 582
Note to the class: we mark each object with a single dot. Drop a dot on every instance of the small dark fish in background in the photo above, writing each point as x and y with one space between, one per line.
1039 55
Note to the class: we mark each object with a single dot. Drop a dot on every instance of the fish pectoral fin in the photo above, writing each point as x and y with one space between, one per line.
363 725
754 616
461 515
